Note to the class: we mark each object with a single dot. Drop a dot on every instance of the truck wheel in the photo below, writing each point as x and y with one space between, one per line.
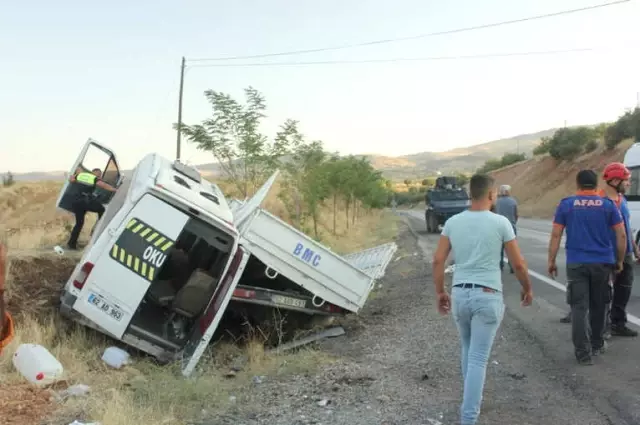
432 224
427 220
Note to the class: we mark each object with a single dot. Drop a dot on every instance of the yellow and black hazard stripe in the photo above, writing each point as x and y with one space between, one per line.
141 248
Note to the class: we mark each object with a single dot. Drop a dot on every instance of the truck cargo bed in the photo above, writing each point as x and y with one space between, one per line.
326 275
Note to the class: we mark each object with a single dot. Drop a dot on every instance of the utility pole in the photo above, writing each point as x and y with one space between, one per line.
179 135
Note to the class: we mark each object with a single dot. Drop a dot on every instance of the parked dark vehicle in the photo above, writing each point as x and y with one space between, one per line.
445 200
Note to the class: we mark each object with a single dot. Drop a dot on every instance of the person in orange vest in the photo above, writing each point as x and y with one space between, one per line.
616 176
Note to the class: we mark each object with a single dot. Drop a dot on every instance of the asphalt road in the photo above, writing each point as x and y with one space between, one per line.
613 383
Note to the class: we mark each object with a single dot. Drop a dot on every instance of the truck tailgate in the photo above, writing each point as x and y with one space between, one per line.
311 265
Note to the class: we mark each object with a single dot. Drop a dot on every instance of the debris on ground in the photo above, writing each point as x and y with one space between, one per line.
36 364
115 357
35 283
327 333
77 390
24 404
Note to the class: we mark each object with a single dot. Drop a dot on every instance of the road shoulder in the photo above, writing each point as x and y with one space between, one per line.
399 364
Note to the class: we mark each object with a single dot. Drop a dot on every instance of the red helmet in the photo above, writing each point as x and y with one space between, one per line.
616 170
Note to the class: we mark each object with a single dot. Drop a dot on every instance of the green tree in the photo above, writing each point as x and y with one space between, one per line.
407 182
232 135
543 147
626 126
507 159
568 143
8 179
462 179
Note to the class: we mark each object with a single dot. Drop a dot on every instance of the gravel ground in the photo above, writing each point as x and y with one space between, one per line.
399 364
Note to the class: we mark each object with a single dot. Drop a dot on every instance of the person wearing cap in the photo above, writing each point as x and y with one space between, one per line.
86 200
591 257
507 206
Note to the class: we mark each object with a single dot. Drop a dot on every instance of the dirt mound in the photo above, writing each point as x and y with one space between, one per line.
35 283
539 183
24 405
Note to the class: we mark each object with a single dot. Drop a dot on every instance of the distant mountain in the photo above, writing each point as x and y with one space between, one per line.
467 159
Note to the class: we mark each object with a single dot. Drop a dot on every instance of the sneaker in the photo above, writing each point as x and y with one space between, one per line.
599 351
566 319
623 331
607 335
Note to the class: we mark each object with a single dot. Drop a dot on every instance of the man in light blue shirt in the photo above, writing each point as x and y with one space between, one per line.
476 237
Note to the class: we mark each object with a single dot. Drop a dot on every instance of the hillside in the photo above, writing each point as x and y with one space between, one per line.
539 183
467 159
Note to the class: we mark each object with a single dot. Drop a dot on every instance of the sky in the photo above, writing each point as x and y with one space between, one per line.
73 70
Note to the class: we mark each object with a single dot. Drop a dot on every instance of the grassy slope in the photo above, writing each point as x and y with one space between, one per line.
143 393
539 183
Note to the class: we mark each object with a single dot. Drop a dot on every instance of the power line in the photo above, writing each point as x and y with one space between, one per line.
391 60
414 37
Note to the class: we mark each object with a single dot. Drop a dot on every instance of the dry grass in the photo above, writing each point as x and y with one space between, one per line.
539 183
142 392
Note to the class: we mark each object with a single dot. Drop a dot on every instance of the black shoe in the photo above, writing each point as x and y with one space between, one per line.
585 361
623 331
566 319
72 247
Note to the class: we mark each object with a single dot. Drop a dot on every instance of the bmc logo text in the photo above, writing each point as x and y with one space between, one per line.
306 254
154 256
587 203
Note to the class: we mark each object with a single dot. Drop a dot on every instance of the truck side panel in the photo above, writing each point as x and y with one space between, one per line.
306 262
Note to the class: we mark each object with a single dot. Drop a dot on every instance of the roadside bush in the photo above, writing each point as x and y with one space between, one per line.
627 126
507 159
543 147
406 198
591 146
568 143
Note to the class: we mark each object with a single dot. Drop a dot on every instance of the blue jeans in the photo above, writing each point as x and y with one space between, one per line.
478 313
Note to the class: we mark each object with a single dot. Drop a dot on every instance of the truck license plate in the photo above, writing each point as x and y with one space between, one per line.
292 302
105 307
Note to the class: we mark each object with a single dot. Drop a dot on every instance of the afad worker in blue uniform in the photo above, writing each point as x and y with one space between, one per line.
86 200
591 258
616 177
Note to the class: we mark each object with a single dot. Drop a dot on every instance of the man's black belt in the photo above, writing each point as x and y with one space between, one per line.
471 286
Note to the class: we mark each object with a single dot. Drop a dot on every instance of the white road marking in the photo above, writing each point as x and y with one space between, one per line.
630 317
561 286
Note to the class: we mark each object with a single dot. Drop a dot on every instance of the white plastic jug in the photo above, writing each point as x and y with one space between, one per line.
115 357
37 364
